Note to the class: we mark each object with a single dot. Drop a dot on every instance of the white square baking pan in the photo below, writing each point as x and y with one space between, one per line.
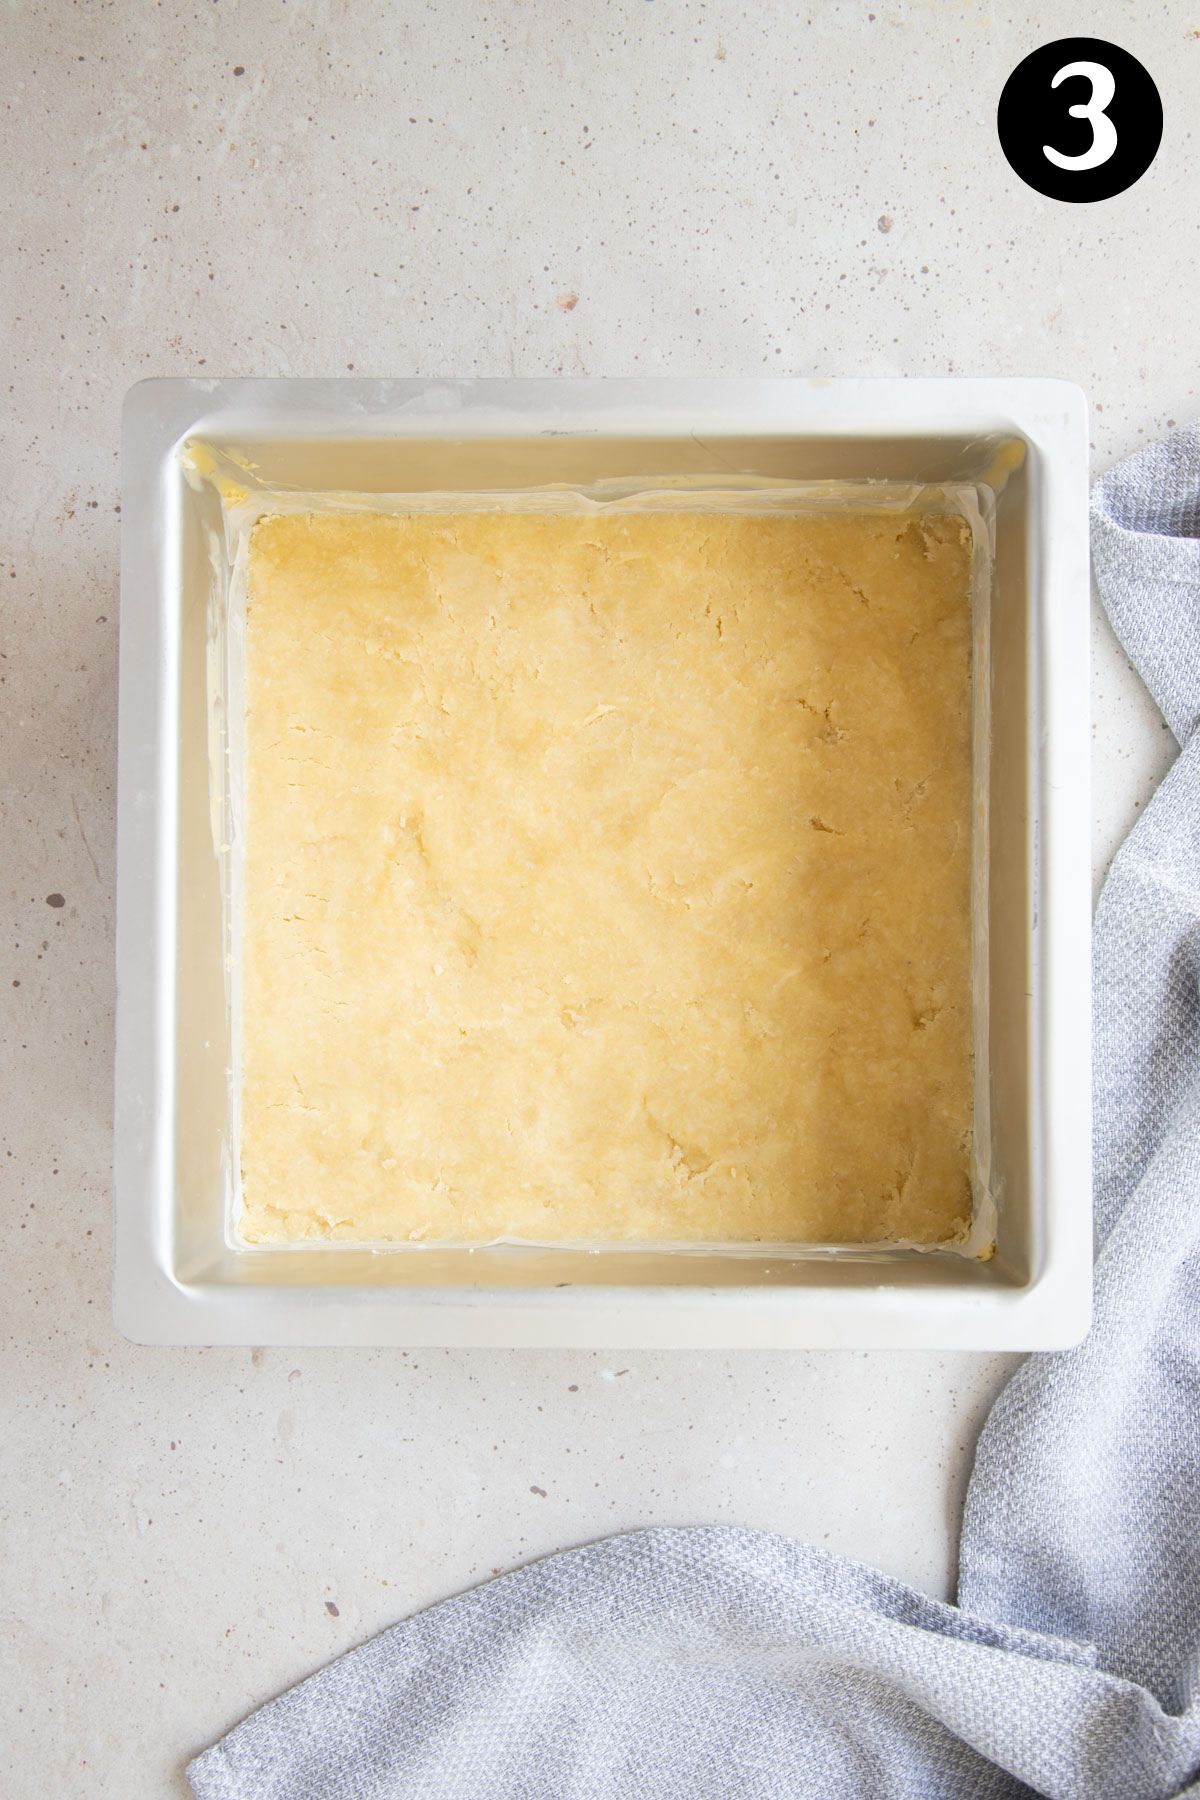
1011 453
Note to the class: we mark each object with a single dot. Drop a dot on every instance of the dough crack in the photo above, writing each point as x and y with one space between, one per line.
689 1157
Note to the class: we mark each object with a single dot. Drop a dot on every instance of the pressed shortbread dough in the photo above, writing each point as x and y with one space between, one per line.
607 877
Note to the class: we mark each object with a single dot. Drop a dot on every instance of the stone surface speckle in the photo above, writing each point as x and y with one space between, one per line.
456 189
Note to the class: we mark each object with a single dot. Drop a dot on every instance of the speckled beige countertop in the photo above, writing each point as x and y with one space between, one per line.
275 188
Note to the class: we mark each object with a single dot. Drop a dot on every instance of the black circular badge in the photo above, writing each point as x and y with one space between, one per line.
1080 119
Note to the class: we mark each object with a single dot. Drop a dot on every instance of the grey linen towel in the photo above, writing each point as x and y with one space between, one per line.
711 1664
